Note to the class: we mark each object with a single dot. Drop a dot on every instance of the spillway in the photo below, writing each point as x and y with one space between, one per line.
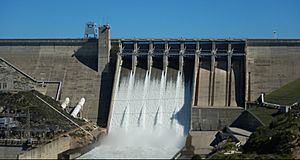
150 115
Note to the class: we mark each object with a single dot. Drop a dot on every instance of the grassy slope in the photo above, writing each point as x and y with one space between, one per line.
286 95
266 115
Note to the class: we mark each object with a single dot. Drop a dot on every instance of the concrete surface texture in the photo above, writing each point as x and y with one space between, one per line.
272 63
48 151
12 80
240 131
10 152
203 85
84 69
224 79
213 118
201 141
221 85
106 70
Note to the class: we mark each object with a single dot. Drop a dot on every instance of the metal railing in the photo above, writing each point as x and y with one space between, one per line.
34 80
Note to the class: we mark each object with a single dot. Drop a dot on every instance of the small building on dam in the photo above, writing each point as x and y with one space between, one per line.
215 78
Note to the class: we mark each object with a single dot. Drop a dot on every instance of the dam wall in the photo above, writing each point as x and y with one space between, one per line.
225 72
86 67
154 89
271 63
79 68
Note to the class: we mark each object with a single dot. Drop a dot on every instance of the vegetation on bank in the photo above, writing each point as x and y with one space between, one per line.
281 137
285 95
278 140
266 115
41 115
249 156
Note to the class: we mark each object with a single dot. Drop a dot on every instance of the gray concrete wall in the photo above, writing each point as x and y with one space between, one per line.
16 81
201 141
213 119
219 96
74 62
114 89
48 151
106 69
83 70
210 87
203 84
7 152
272 63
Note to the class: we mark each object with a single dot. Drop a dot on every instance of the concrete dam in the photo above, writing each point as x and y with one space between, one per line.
151 93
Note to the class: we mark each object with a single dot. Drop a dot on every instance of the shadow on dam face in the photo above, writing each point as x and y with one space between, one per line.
238 68
87 56
150 114
221 84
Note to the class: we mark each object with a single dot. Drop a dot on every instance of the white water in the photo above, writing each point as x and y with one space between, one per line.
150 119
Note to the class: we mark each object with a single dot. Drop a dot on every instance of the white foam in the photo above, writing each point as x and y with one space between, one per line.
150 119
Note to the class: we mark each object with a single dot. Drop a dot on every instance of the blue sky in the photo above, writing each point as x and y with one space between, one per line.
152 18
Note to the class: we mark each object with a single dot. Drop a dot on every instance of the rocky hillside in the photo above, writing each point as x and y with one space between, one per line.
25 107
279 140
282 136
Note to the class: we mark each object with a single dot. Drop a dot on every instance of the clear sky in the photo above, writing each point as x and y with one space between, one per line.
151 18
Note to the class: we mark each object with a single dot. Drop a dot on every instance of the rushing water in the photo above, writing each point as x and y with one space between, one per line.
150 117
